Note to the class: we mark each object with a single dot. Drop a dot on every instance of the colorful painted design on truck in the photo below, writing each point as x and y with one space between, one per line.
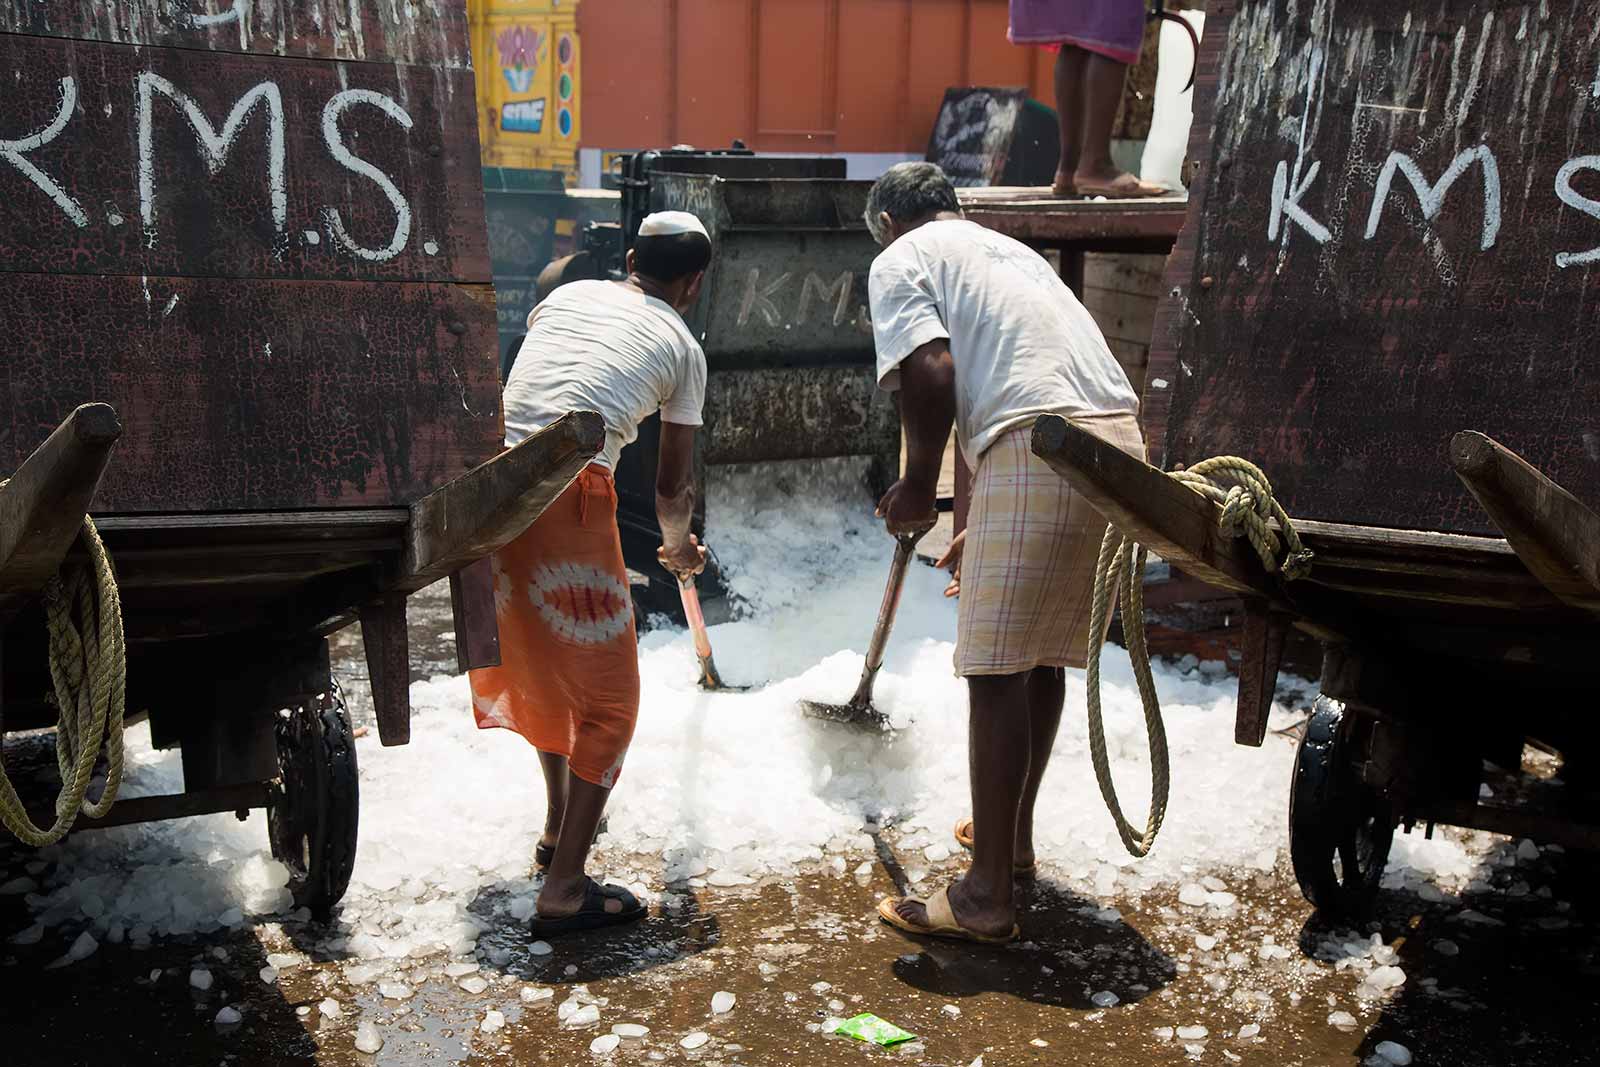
526 58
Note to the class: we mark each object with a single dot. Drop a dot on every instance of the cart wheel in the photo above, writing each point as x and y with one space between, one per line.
1340 828
311 819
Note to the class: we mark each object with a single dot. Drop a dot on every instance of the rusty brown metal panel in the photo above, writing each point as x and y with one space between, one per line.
1394 233
432 32
273 394
120 160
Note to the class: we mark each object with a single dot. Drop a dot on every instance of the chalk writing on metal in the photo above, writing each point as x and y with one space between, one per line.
13 152
1431 197
1286 203
331 134
233 13
835 297
759 297
1574 199
839 289
214 144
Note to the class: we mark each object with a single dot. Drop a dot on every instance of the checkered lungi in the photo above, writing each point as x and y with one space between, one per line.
1027 572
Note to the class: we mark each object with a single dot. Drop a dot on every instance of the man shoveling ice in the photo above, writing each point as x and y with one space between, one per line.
569 682
974 328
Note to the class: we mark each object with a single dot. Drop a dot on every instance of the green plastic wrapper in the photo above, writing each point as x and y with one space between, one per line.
868 1027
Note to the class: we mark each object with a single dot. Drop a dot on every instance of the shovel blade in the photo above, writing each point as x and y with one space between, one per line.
862 715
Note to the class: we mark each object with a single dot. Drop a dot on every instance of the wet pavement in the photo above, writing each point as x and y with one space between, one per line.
1232 971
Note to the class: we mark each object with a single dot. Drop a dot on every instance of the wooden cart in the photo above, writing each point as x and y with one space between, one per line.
1381 297
250 242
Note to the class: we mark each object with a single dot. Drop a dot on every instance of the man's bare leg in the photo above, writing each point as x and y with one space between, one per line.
998 732
555 795
1070 63
1103 80
564 882
1047 691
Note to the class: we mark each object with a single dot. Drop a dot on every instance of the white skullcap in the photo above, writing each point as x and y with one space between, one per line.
670 223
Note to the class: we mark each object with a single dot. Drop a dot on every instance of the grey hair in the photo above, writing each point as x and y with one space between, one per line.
908 192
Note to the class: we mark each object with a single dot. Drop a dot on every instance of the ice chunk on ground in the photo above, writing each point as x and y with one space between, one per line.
722 1003
200 979
537 994
32 935
951 1010
1394 1052
1205 942
631 1031
461 970
1387 978
474 984
493 1021
1248 1030
18 886
587 1015
1342 1020
368 1039
1164 1033
395 991
229 1016
1193 895
1192 1033
282 961
84 947
329 1009
694 1040
605 1044
540 948
1527 851
1105 999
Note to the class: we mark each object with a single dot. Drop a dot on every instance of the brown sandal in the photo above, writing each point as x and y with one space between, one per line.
941 921
963 832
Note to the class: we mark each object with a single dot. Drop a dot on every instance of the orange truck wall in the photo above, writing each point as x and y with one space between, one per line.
824 76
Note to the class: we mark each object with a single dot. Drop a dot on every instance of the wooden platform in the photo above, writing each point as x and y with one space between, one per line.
1076 224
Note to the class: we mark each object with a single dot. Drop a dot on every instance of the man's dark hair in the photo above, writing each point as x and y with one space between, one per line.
909 192
668 257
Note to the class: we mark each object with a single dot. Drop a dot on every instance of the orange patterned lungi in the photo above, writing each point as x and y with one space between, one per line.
569 675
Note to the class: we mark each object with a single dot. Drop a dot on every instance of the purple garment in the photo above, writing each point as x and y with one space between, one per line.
1112 28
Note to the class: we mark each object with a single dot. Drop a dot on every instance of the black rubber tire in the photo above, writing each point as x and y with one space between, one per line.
312 820
1340 828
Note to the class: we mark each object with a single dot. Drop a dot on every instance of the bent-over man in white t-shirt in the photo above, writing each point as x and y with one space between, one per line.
569 675
974 329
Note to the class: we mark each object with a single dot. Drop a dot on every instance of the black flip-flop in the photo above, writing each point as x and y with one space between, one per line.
544 855
592 913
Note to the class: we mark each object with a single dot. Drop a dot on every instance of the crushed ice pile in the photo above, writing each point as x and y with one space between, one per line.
727 788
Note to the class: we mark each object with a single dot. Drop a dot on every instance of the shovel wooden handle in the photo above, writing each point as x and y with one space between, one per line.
690 596
905 545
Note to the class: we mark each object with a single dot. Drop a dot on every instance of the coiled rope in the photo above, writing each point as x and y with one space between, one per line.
1247 508
88 669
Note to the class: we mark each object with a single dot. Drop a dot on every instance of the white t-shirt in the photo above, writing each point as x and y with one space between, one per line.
601 346
1022 344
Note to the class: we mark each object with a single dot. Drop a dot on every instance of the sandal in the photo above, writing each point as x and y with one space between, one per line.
941 920
592 913
1123 187
963 832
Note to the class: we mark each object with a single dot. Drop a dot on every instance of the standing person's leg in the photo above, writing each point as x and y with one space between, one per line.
1103 80
1070 65
556 776
565 883
1047 691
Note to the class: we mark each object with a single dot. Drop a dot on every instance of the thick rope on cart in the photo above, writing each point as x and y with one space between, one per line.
88 667
1247 506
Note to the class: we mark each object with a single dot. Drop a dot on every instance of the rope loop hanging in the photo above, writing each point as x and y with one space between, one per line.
1249 510
88 672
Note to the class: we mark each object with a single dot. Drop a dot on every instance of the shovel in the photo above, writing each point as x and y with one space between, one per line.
710 680
859 711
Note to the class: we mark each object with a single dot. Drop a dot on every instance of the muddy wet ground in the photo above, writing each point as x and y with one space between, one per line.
1507 974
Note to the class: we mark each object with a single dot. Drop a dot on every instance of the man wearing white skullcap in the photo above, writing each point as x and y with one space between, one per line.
569 675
